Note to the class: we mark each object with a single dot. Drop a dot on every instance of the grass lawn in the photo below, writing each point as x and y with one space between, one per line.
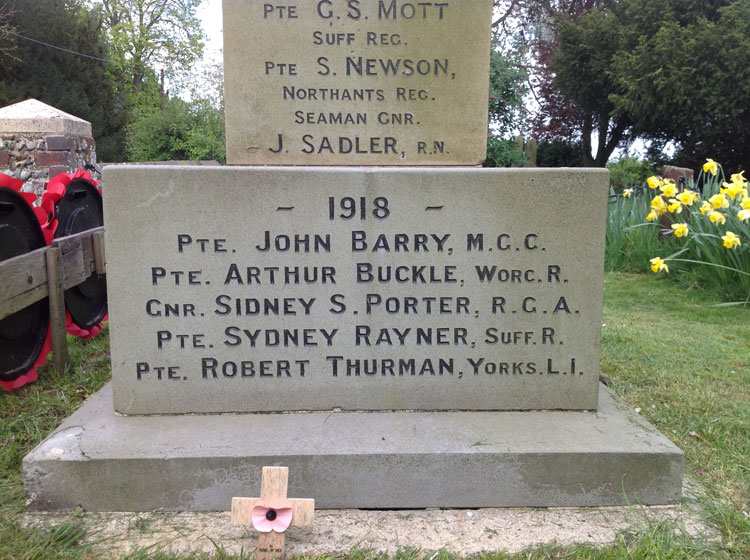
682 362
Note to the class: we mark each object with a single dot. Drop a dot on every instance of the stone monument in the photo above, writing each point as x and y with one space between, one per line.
399 336
38 141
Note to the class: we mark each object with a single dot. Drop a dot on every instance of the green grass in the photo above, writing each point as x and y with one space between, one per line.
27 416
684 363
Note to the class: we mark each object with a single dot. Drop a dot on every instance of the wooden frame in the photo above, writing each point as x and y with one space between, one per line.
48 272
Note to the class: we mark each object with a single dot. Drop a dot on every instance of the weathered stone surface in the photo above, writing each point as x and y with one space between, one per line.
55 143
357 83
305 288
46 159
105 462
56 169
34 117
677 173
39 142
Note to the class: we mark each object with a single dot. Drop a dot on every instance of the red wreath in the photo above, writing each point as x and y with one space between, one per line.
31 375
53 192
45 213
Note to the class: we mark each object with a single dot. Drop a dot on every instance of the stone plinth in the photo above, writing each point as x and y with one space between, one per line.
104 462
38 141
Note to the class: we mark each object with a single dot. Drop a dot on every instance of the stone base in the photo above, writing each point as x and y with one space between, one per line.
388 460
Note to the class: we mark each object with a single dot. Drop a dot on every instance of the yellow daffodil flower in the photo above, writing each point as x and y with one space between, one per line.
675 206
680 230
731 241
659 205
745 204
658 264
744 214
688 197
717 217
739 178
733 189
706 207
653 215
710 166
627 193
719 201
654 182
669 190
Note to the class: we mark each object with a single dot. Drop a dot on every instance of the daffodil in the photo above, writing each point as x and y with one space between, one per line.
719 201
710 166
675 206
627 193
668 188
688 197
658 264
653 215
738 178
745 204
658 204
744 214
706 207
717 217
731 241
733 189
680 230
654 182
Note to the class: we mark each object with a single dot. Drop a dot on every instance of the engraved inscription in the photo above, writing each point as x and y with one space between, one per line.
349 82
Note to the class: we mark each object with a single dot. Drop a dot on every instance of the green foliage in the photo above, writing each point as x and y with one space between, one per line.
181 131
629 243
506 109
628 171
559 153
686 78
77 85
507 90
585 47
503 153
636 234
146 37
703 252
666 70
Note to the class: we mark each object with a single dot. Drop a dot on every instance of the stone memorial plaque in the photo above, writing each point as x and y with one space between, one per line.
354 82
278 289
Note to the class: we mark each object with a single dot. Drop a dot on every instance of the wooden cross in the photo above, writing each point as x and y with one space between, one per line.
273 487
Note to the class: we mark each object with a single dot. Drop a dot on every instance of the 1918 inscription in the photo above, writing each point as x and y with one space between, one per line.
354 82
343 289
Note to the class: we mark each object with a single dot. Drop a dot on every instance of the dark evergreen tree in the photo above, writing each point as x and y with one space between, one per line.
80 85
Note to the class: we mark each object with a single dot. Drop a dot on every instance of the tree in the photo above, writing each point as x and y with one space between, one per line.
580 64
687 78
43 67
559 117
150 35
506 109
665 70
178 131
7 33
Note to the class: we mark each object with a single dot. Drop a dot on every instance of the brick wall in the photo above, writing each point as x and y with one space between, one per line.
36 158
